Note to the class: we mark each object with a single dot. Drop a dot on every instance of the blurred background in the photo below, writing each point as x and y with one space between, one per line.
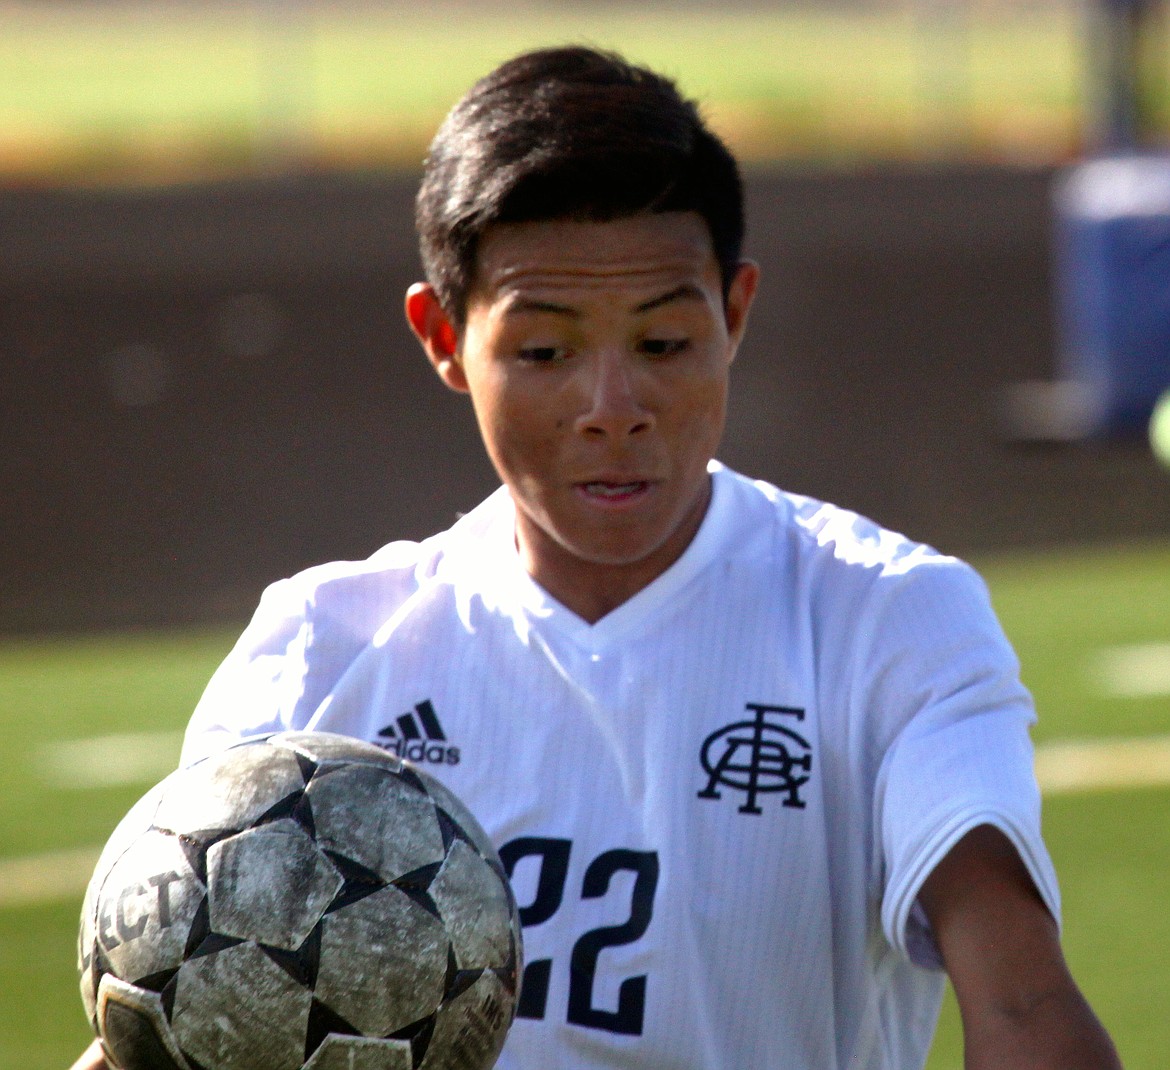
962 210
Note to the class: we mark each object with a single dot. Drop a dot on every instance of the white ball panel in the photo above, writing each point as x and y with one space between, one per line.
407 947
250 877
328 746
229 790
137 820
238 1010
360 1053
145 908
470 1030
476 909
88 996
373 817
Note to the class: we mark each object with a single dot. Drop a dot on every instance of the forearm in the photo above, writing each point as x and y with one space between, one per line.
1021 1007
1057 1032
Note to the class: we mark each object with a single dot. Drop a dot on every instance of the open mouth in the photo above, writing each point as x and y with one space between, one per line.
604 490
614 490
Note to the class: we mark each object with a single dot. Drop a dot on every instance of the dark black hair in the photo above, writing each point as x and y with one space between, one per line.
569 133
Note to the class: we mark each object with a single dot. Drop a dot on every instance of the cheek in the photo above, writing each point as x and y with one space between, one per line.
517 437
704 408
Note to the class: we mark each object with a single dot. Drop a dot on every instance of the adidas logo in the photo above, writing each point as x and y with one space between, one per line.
417 736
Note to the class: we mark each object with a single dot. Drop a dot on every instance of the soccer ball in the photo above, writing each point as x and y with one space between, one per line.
302 900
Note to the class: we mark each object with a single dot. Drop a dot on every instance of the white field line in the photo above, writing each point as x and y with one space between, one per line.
52 877
109 761
100 762
1062 767
1137 671
1087 765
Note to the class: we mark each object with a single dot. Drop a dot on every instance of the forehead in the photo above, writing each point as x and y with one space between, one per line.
639 254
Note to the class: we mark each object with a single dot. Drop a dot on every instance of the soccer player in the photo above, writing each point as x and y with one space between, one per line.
759 769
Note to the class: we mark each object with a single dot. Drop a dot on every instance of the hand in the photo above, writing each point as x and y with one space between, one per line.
1019 1004
91 1059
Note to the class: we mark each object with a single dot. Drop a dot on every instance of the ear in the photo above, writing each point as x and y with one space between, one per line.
436 333
740 295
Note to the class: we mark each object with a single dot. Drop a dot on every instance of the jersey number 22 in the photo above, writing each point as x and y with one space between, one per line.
550 890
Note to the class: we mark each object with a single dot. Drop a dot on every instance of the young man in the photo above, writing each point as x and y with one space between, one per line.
759 769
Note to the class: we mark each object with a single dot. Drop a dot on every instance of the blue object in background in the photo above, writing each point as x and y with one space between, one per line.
1112 278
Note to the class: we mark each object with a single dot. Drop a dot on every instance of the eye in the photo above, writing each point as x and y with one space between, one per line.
540 354
664 347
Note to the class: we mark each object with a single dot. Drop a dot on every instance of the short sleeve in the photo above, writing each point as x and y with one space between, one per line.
957 752
258 688
305 633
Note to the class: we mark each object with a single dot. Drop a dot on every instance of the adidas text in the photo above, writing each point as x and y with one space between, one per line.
417 736
421 751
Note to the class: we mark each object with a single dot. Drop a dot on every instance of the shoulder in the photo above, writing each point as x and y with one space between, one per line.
354 598
865 592
829 546
309 629
858 558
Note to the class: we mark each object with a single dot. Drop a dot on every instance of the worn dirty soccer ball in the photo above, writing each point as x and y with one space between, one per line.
305 900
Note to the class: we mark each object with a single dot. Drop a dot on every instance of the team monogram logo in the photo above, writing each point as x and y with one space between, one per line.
758 756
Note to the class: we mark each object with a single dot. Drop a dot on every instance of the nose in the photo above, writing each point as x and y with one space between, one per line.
613 406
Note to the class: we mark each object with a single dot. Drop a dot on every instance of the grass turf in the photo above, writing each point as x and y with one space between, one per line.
1112 849
149 92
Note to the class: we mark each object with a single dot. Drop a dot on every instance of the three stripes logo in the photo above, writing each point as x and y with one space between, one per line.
417 736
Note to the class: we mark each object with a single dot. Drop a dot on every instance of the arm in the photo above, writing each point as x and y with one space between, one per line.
1019 1004
91 1059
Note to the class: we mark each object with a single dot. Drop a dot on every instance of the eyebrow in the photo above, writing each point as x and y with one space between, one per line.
528 304
686 292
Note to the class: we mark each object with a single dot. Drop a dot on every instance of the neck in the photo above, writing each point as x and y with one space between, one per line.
592 587
594 591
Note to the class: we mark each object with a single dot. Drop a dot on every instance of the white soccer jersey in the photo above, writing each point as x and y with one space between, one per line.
718 803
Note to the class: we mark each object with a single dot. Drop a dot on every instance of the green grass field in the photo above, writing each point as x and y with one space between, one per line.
1063 611
140 91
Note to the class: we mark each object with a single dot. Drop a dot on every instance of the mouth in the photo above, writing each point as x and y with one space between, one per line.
604 490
